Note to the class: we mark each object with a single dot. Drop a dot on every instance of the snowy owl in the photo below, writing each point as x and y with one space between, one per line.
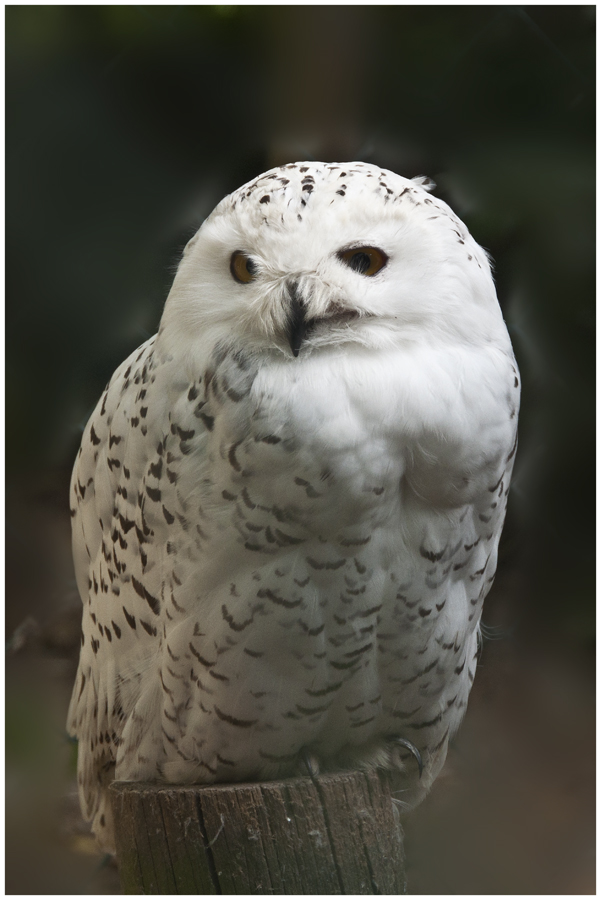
287 504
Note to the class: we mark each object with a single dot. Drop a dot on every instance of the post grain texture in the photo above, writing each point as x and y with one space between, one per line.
329 834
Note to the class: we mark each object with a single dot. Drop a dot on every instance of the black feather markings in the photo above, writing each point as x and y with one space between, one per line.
153 602
131 620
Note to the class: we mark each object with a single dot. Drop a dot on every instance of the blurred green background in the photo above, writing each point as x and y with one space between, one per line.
125 125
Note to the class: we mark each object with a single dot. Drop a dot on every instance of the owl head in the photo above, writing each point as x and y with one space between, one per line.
313 256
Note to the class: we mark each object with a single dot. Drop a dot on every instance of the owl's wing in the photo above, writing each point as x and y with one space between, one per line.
122 506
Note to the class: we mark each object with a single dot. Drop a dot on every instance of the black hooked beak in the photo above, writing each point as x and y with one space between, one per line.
297 323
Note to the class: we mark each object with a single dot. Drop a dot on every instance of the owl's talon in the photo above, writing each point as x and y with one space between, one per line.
412 749
308 762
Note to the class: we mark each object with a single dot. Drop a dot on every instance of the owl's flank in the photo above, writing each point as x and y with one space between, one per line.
287 504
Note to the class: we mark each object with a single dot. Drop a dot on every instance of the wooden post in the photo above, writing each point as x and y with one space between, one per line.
330 834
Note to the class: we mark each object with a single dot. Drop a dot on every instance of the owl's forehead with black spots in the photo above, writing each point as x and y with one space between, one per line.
300 191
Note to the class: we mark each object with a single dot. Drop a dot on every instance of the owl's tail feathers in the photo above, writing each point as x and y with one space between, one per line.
94 776
95 773
88 721
102 821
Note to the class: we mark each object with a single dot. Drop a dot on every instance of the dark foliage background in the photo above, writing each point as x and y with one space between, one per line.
125 125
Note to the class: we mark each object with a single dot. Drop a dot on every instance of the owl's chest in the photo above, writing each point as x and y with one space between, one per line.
310 457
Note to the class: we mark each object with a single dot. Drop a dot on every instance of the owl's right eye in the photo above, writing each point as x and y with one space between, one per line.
242 267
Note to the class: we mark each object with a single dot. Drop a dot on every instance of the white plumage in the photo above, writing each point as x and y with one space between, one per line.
287 504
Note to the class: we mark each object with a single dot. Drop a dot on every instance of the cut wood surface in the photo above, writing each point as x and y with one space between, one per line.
329 834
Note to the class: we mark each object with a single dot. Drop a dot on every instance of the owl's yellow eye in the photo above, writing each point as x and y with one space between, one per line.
364 260
242 267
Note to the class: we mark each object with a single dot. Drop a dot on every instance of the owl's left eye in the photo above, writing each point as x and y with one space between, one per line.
242 267
364 260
